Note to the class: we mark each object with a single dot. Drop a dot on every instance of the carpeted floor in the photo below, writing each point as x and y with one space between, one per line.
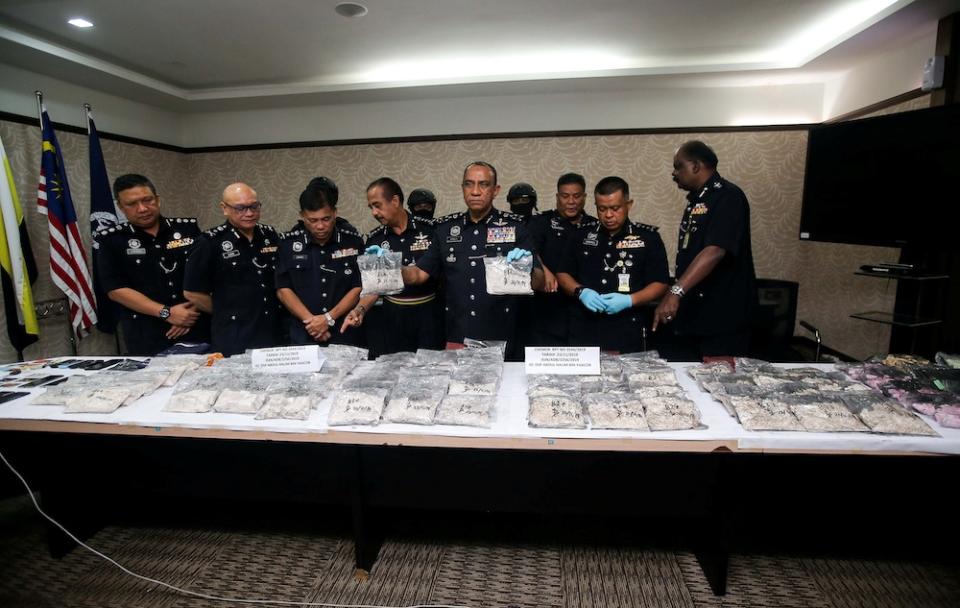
298 562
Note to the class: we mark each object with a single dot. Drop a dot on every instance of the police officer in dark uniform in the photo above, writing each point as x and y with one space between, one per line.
461 241
317 277
613 270
408 320
141 265
230 275
332 194
422 203
551 231
714 295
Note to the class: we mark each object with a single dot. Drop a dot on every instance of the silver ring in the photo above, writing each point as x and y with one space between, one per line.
669 318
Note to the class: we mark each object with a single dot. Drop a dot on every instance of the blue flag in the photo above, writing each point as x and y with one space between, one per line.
103 214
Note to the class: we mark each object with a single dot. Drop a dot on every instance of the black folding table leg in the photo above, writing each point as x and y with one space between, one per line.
365 539
713 552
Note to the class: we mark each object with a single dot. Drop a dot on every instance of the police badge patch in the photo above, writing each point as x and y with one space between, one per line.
227 246
297 246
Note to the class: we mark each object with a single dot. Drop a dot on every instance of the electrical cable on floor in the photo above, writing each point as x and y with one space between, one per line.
205 596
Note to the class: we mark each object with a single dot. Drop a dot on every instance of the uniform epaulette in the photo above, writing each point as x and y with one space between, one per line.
349 232
268 228
182 220
293 234
513 216
649 227
381 229
215 230
448 218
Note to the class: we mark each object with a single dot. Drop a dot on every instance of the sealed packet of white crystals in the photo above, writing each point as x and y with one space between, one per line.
416 400
556 411
198 391
508 278
476 380
357 406
465 410
885 415
613 411
245 395
381 274
671 414
75 386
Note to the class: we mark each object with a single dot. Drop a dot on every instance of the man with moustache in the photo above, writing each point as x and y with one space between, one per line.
461 242
551 231
714 294
613 270
408 320
230 275
317 277
141 264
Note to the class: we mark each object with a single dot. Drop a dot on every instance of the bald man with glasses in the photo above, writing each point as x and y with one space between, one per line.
230 275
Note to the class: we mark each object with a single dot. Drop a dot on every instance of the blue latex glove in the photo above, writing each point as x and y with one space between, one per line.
516 253
376 250
616 302
592 300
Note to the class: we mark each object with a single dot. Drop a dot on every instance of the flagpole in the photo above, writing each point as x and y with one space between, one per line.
86 116
39 95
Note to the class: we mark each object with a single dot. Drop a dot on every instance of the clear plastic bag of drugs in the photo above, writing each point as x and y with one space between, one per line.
556 411
245 395
381 274
465 410
671 414
613 411
508 278
102 400
362 406
416 400
476 380
197 391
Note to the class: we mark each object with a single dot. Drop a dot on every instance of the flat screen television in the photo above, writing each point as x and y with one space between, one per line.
889 181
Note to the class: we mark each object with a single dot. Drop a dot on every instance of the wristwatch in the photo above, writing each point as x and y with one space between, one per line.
330 320
677 290
165 313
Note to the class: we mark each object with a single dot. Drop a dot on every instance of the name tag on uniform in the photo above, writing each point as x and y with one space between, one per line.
591 239
699 209
230 254
623 283
343 253
179 243
501 234
300 256
139 251
631 242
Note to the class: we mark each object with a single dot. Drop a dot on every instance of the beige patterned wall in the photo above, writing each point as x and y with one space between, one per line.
768 165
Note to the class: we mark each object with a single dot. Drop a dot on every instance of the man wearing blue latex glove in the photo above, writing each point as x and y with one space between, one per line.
460 243
614 269
592 300
376 250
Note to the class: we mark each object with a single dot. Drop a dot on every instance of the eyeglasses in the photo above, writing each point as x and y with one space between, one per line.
241 209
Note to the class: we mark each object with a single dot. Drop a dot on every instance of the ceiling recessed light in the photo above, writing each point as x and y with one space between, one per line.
351 9
80 22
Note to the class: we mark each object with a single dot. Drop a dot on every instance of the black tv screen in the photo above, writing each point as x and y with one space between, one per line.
888 181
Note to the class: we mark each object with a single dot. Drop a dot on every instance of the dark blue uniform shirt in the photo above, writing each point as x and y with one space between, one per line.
238 275
457 253
718 214
320 275
153 265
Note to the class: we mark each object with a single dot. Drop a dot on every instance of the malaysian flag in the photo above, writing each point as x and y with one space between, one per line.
68 261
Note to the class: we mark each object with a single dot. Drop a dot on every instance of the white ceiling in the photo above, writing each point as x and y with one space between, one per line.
191 53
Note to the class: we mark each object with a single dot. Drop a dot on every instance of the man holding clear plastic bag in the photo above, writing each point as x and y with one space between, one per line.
613 269
461 243
408 320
